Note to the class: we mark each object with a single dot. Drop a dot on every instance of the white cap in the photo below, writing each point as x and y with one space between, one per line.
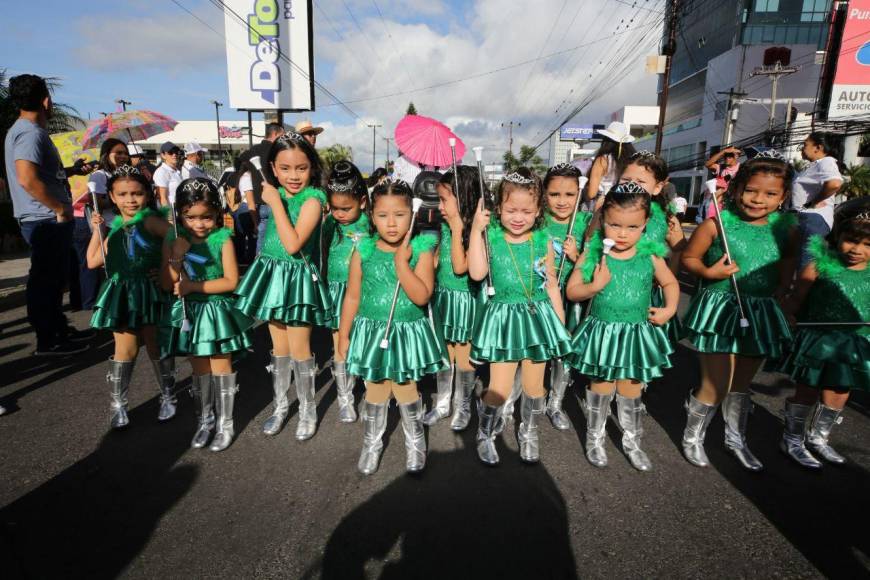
134 150
193 147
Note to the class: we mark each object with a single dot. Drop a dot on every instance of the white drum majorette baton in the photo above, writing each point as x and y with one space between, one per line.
711 187
93 189
452 141
582 181
417 203
478 156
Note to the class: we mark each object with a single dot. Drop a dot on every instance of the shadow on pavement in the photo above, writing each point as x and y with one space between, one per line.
821 513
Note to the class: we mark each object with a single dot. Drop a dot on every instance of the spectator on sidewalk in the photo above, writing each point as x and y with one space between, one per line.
167 176
681 204
193 157
309 131
140 162
259 211
43 208
724 166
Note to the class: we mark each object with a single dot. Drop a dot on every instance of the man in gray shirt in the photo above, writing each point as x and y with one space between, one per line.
41 202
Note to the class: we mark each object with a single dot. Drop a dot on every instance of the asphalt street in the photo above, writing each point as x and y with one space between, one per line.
81 501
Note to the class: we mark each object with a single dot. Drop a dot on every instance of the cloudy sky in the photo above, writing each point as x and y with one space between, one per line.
474 65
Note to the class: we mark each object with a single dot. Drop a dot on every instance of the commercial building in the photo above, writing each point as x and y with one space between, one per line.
577 142
233 136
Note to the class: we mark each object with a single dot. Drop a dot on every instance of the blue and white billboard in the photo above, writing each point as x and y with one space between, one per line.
575 132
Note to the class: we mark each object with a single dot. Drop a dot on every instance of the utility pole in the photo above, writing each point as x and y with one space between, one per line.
123 103
387 166
374 129
510 125
217 117
775 72
668 51
731 114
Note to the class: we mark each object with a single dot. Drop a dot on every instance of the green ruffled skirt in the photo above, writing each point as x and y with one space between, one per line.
129 304
455 312
509 332
336 298
610 351
216 328
673 328
829 358
284 292
713 325
415 350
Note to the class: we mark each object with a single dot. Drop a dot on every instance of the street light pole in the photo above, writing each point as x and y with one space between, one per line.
217 116
374 129
123 103
387 166
510 125
668 52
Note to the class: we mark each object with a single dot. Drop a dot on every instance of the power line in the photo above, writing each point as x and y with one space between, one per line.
393 43
521 92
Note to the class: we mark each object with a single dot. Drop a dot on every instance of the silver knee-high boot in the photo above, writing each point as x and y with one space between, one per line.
164 371
698 417
225 389
735 411
306 376
490 421
202 389
597 409
531 408
507 409
561 378
465 381
629 413
793 441
118 378
443 392
344 386
415 439
282 373
824 419
374 418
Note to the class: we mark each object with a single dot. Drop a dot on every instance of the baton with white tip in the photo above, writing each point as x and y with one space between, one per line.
582 181
490 289
452 141
417 203
92 187
711 187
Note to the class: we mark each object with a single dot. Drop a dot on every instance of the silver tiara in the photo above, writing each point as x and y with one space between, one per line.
198 184
770 154
397 181
291 137
862 217
643 153
629 187
563 167
125 170
340 187
518 179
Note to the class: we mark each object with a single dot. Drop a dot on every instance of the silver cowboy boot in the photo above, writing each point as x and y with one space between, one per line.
444 389
306 376
282 373
119 376
465 382
561 378
735 411
374 417
507 409
531 408
489 418
344 386
824 419
793 441
629 413
698 419
597 409
415 439
202 389
164 371
225 390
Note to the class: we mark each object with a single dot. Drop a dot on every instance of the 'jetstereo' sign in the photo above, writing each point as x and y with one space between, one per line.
269 54
850 95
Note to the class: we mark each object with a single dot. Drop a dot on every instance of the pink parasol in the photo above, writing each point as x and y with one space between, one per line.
426 141
127 126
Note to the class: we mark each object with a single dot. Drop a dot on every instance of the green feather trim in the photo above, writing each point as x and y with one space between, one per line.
828 263
423 243
304 195
118 223
647 247
217 238
672 207
366 247
656 211
782 224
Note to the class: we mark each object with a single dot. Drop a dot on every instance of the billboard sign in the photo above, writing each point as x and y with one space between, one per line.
850 95
576 132
270 56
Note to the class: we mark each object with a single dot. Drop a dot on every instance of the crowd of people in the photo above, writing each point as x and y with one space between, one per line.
516 281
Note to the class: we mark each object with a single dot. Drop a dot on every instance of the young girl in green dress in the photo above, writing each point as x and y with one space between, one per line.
523 323
621 345
345 227
200 265
827 362
130 303
762 241
455 299
283 285
413 348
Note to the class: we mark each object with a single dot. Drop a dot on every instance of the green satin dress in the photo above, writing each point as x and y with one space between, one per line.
558 232
455 300
515 326
216 326
281 287
343 241
415 347
713 321
129 299
833 356
657 231
616 341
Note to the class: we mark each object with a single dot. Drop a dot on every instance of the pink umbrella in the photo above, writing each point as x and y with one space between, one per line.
127 126
426 141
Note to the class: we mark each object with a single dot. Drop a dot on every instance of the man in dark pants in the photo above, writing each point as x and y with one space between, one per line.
41 200
259 211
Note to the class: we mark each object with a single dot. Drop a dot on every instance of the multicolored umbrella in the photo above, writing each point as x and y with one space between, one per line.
69 145
427 141
128 126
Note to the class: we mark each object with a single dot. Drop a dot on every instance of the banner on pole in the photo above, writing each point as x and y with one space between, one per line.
270 54
850 95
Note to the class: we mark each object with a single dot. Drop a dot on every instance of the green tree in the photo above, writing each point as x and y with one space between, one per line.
412 110
857 182
527 157
333 154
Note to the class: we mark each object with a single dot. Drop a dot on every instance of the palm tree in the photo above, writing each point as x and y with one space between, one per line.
528 158
333 154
